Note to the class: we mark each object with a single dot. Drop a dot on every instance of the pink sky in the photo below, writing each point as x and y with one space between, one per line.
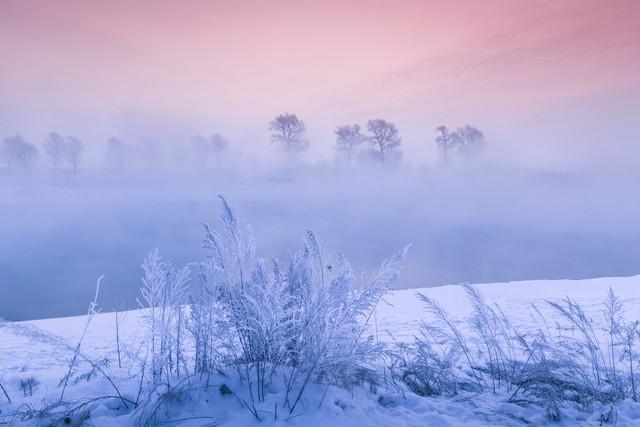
234 64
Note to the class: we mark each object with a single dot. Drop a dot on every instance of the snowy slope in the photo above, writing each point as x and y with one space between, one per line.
405 313
23 355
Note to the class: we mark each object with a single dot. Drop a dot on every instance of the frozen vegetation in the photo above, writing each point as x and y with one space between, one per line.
443 199
235 339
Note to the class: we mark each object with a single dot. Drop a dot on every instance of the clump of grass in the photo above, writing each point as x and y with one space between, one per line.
585 361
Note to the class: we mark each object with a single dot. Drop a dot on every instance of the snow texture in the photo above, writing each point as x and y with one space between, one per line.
35 355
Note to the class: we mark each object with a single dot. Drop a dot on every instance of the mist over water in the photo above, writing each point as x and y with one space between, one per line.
58 233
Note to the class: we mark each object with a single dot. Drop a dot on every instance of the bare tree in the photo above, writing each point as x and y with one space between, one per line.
471 140
219 143
347 138
219 147
149 152
117 152
73 152
207 147
7 150
15 151
446 141
288 130
384 136
54 147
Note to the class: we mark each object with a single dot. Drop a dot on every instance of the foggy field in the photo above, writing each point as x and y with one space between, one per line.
58 232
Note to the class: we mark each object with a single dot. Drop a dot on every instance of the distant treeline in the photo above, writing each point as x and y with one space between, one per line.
378 143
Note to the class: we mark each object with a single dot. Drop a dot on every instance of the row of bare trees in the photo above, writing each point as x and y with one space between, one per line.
467 141
289 131
199 151
16 153
63 149
382 135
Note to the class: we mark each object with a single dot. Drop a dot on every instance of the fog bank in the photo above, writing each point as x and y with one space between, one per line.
58 232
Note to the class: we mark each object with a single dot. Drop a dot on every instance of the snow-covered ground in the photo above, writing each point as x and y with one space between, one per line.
25 354
404 313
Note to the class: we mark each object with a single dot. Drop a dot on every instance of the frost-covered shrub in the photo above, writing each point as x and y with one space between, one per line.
308 317
426 367
77 353
582 361
164 295
593 361
331 340
444 337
